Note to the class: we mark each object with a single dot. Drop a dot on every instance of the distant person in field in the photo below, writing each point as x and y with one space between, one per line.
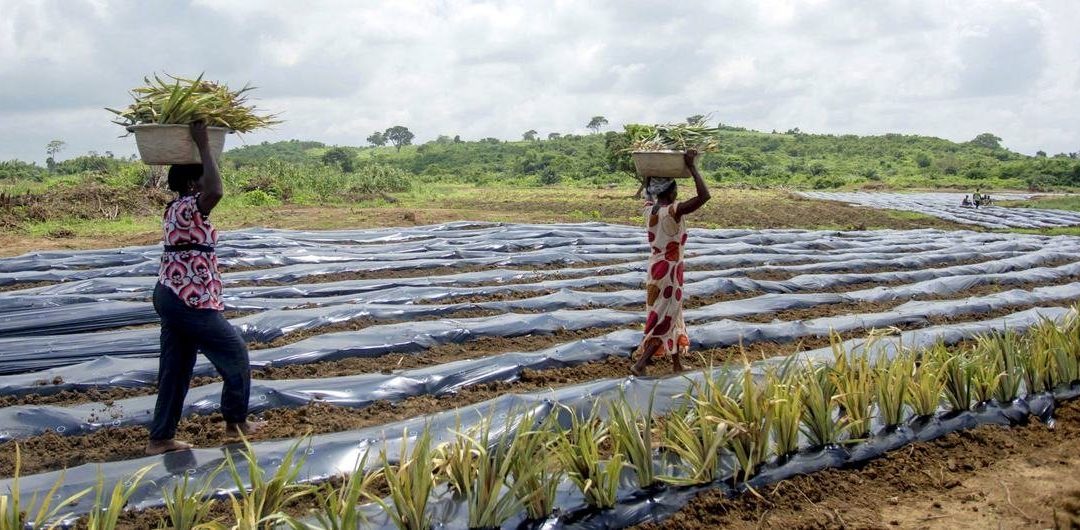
187 297
976 199
665 331
966 203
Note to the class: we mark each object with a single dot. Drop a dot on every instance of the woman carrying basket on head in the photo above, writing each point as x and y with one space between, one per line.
187 297
665 331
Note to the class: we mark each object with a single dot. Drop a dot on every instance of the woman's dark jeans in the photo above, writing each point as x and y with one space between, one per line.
184 332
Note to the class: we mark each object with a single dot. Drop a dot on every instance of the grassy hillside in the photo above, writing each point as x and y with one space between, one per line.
745 158
82 193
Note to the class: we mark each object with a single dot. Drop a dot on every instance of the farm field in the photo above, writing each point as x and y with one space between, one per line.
539 266
358 334
72 220
946 206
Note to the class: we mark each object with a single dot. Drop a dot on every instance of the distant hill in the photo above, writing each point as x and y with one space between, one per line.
745 157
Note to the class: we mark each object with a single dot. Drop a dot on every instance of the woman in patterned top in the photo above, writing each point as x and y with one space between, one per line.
187 297
665 330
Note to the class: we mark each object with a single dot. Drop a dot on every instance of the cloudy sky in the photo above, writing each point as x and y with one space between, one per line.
338 70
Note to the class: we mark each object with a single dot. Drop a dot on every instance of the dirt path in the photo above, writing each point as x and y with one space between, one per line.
991 477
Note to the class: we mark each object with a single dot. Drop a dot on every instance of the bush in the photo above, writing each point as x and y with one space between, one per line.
88 163
379 178
1040 183
923 160
18 170
258 198
549 178
823 183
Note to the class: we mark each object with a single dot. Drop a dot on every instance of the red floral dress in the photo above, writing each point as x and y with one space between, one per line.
188 265
664 325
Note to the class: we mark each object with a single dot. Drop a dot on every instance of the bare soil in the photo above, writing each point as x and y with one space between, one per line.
358 324
445 270
17 286
481 347
782 274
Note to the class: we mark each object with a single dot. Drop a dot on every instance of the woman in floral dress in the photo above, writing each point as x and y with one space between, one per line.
665 330
187 297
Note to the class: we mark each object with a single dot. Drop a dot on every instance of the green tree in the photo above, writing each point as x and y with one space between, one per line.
376 139
696 119
340 157
530 135
554 136
987 140
399 135
596 123
922 159
52 149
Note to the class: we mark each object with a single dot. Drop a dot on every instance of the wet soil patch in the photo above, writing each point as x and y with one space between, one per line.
959 480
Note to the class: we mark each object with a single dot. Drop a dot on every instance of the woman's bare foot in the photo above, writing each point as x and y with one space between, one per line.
160 447
245 428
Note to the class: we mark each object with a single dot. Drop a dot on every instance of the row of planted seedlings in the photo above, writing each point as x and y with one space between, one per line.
723 431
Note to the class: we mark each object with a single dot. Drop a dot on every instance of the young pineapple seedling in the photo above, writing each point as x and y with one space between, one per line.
578 450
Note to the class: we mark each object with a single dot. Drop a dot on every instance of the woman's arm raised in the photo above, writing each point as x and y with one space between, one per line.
692 205
210 186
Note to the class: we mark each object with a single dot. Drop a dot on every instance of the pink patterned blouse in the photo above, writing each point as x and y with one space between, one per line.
188 264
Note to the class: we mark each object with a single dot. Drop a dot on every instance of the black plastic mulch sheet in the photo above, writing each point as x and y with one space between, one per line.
363 389
331 454
947 206
20 354
53 330
378 340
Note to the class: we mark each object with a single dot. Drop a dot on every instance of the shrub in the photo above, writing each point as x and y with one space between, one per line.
923 160
379 178
823 183
549 178
18 170
258 198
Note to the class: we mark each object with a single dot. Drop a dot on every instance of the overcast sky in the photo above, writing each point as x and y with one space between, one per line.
338 70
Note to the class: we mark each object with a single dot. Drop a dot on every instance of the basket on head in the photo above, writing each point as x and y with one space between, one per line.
169 144
670 164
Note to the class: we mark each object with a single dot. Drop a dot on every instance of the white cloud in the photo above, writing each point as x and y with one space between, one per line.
339 70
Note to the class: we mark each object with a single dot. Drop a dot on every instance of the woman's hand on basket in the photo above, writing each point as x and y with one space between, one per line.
690 156
199 135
